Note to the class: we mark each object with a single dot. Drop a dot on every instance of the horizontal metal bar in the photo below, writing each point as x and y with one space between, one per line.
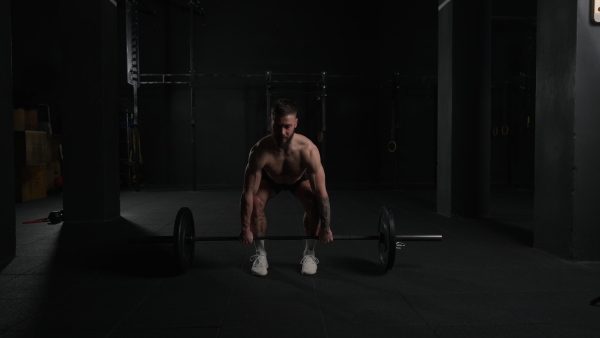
339 237
352 76
319 75
419 238
285 74
152 239
281 238
296 81
298 74
231 75
164 82
170 239
162 75
294 92
206 75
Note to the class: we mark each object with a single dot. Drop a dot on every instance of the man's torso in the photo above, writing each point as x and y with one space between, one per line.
284 166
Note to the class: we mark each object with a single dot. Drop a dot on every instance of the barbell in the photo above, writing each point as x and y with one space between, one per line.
184 239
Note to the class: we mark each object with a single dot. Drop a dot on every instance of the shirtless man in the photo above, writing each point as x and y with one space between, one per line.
284 160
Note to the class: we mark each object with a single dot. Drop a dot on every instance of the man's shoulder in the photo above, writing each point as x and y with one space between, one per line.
304 141
261 151
262 144
307 149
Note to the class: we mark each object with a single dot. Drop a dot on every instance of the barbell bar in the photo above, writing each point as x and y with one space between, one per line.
184 239
169 239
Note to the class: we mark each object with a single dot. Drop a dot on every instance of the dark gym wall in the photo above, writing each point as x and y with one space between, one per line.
567 165
244 38
587 120
36 56
238 37
463 184
513 94
408 39
7 173
555 99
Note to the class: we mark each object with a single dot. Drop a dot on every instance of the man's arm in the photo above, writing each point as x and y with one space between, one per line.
252 176
316 176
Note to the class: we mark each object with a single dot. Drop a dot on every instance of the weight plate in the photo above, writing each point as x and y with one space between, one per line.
387 239
183 241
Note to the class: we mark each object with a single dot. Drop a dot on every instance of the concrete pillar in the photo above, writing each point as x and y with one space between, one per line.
464 114
7 170
567 165
89 103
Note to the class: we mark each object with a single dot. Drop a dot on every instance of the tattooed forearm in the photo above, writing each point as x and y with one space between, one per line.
324 212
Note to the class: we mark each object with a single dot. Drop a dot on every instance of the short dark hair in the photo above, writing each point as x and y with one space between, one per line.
283 107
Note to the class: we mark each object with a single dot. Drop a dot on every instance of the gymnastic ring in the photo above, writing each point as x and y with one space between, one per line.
392 146
505 130
495 131
320 137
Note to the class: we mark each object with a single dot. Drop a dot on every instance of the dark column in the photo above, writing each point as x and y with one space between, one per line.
7 171
89 104
567 164
464 96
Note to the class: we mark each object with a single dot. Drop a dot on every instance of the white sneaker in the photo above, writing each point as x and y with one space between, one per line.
309 264
260 265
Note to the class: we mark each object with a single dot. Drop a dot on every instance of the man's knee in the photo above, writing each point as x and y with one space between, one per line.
311 213
310 205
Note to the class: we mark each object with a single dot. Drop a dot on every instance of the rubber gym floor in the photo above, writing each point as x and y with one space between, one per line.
484 279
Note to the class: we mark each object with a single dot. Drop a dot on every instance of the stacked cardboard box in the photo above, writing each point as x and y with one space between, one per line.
31 183
31 148
36 159
25 119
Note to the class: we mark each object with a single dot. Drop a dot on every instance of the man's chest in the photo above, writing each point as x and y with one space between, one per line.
285 167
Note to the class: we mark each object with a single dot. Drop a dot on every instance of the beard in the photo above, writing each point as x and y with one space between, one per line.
281 140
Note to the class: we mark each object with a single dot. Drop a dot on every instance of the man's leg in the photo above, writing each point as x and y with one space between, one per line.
258 221
258 226
311 226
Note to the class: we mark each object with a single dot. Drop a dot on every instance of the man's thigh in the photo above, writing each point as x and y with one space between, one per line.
265 192
306 196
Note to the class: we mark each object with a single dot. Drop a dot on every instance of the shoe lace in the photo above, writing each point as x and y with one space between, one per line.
309 257
257 259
